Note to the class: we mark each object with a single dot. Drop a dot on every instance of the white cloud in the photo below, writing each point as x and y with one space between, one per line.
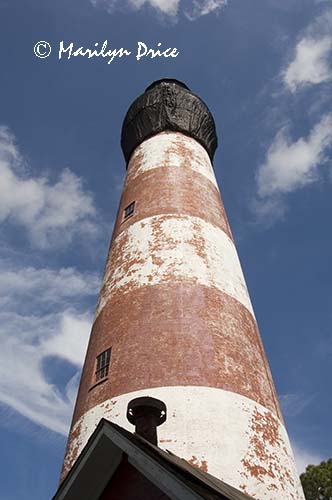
70 341
203 7
290 165
27 342
43 285
41 316
8 149
312 61
170 8
36 325
51 213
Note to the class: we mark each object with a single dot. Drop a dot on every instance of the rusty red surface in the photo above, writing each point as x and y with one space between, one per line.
176 334
261 459
199 464
171 190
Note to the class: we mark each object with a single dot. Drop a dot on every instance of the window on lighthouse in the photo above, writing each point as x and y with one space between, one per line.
102 365
129 210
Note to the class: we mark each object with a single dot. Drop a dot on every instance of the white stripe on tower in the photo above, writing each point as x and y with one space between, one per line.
162 150
244 444
166 248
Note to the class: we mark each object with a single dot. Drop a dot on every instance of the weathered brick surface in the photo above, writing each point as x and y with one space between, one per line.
169 190
175 310
177 334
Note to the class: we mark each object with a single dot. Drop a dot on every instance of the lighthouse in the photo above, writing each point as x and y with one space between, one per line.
174 320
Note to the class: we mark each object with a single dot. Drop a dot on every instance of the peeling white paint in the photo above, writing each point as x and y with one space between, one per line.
212 427
162 248
168 149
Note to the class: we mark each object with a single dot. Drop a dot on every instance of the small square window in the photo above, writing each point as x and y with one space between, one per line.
129 210
102 364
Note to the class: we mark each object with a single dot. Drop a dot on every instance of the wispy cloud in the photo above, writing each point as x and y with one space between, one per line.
168 8
42 286
26 342
312 63
312 59
29 339
41 308
204 7
290 165
50 213
44 312
294 404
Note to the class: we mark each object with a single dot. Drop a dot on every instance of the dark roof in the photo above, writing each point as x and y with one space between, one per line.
168 104
91 472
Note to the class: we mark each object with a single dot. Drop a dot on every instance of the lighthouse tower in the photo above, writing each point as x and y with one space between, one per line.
174 319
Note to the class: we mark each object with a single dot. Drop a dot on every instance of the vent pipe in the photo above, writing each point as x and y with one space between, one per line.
146 414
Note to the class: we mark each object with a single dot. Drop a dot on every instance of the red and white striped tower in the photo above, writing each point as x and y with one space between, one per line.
174 315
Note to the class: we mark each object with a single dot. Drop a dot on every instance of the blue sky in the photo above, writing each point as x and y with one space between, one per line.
265 70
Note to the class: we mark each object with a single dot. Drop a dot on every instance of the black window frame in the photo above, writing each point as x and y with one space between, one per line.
102 364
129 210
